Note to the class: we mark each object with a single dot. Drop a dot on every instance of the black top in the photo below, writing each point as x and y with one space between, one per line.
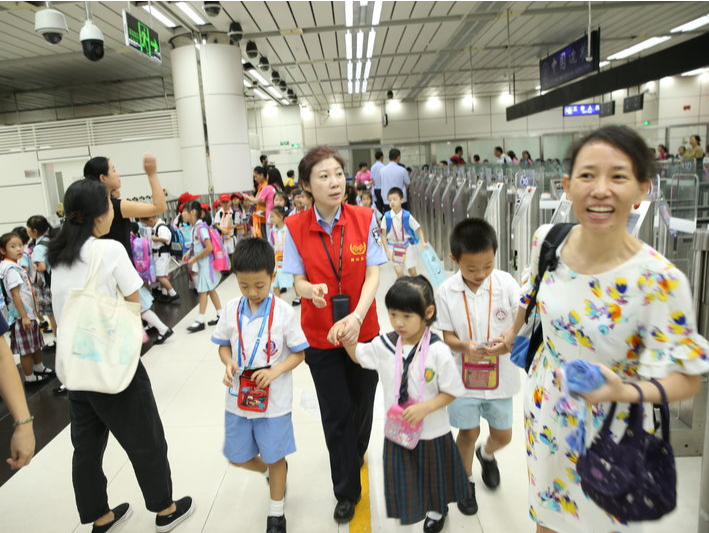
120 228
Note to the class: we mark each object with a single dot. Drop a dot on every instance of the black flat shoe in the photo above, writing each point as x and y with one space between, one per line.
162 338
61 389
276 524
434 526
469 506
344 511
213 322
121 513
491 474
197 326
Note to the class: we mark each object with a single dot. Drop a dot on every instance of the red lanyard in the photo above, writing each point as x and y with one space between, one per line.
270 306
489 313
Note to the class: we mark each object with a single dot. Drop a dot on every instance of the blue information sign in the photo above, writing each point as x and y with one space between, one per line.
581 110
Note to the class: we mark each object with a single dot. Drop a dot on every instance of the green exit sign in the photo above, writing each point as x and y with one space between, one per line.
284 143
295 146
141 37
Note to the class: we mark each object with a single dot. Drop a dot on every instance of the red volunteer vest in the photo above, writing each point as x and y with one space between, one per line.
305 230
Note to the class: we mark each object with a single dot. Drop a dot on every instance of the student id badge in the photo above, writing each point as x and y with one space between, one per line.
250 396
398 253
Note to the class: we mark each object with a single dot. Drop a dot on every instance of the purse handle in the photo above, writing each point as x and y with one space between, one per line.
635 418
98 250
664 411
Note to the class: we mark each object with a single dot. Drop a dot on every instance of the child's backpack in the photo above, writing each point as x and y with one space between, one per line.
143 258
220 259
176 247
405 216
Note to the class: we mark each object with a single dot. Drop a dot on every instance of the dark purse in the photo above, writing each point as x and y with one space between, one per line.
634 479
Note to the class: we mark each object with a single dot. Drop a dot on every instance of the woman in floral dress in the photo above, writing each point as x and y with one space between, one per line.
614 301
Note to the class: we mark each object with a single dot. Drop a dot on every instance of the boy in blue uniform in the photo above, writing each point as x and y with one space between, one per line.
475 306
260 343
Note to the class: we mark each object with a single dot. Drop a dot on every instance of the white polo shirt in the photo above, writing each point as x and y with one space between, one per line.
397 234
450 309
440 374
286 337
161 231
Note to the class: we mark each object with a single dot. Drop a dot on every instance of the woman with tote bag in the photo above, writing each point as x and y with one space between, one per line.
95 298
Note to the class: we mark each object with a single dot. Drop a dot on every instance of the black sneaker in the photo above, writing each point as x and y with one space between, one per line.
296 301
213 322
491 474
469 506
184 510
434 526
121 513
276 524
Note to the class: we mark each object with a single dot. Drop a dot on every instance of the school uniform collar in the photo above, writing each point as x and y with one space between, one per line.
260 311
460 286
321 225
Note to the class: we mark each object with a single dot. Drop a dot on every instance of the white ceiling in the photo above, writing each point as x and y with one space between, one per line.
422 49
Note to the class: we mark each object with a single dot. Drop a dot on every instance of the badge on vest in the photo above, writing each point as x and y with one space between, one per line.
358 252
270 349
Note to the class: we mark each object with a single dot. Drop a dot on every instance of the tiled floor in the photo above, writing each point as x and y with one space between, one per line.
186 376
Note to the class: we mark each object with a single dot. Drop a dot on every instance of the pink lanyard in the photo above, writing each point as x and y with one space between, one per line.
421 353
393 228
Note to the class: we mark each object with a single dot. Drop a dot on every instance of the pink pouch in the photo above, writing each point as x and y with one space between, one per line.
398 253
481 376
398 430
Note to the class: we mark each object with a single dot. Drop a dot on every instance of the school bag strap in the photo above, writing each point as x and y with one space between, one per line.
548 261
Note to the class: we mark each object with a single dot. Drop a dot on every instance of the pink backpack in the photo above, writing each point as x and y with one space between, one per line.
220 259
143 258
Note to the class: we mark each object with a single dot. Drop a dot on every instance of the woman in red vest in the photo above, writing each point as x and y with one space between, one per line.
334 252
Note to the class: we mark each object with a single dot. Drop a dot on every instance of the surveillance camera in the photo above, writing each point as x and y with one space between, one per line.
275 77
212 9
236 33
290 93
282 86
263 63
390 95
251 50
51 24
92 41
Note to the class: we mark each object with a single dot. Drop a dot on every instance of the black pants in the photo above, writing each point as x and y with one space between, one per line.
378 200
132 417
346 397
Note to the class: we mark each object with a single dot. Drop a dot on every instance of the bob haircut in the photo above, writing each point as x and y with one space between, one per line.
315 156
412 295
627 141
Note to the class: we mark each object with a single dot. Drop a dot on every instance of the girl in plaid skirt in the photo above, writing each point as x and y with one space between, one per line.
40 231
25 336
423 470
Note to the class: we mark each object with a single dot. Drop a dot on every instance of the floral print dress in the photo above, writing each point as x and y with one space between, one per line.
638 320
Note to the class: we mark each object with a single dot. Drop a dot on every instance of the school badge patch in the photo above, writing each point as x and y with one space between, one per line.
429 374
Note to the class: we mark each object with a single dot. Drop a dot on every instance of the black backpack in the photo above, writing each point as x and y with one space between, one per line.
548 261
176 246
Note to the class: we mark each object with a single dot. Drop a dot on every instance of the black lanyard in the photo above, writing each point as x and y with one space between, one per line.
338 275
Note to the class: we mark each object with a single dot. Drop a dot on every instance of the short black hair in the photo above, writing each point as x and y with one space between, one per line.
253 255
476 157
297 192
394 153
21 232
378 154
472 236
361 187
458 149
279 210
499 149
412 295
396 190
290 173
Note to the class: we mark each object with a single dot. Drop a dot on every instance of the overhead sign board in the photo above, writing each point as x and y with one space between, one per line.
608 108
581 110
570 62
633 103
141 37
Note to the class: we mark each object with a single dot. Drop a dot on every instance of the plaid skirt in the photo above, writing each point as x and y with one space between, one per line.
424 479
25 342
44 300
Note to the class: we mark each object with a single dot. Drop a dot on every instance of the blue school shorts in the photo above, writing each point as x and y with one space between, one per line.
465 413
245 438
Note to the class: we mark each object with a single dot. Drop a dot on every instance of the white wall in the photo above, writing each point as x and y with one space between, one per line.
269 127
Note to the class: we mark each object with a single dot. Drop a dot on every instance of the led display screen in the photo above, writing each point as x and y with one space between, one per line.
581 110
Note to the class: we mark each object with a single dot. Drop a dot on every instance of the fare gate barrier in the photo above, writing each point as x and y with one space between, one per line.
458 210
444 227
435 210
427 206
524 223
496 214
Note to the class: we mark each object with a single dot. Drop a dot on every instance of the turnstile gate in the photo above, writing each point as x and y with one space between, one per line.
497 215
524 223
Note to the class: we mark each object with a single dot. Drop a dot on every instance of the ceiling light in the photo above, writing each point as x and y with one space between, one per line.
360 44
693 25
635 49
468 99
434 102
349 70
284 101
164 19
261 94
247 84
359 70
254 74
349 13
364 86
367 68
506 98
349 87
393 105
695 71
370 43
362 3
667 80
377 12
604 64
274 92
191 13
537 87
348 44
357 86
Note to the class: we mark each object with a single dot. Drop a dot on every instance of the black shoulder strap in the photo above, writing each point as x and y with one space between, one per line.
547 258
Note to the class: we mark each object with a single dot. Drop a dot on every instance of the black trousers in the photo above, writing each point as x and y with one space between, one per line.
346 397
378 200
133 419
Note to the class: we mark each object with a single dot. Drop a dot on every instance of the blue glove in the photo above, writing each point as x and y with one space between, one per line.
582 376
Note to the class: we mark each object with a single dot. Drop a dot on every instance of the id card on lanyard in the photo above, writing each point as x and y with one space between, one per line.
480 375
398 250
340 302
251 397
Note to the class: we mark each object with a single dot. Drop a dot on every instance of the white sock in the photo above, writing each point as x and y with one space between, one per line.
484 454
219 313
433 515
151 318
39 367
471 478
200 318
164 291
31 378
275 508
172 292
